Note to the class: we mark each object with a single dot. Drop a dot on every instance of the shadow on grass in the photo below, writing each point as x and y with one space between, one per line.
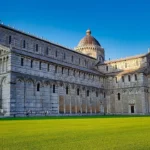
70 117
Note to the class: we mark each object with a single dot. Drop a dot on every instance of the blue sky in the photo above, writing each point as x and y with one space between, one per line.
121 26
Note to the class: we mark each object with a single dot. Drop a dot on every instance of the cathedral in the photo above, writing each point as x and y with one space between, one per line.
39 77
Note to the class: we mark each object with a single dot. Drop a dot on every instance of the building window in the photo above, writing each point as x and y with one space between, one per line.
104 95
85 62
64 56
68 72
47 51
116 80
106 68
87 93
96 94
37 47
38 87
62 70
126 65
9 39
137 63
132 109
74 73
55 69
56 54
135 76
79 73
67 90
22 61
118 96
31 63
40 65
122 78
24 44
72 58
115 66
48 67
78 91
54 88
129 79
79 61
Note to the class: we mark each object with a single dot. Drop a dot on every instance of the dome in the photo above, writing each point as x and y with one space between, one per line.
88 40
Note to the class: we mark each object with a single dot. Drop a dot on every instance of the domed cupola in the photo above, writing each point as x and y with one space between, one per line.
90 46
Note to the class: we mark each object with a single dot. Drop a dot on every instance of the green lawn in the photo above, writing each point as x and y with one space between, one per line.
81 133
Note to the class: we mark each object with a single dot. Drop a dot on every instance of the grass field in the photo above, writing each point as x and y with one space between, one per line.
75 133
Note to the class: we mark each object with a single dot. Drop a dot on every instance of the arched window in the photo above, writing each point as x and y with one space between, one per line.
96 94
126 65
55 69
135 77
37 47
118 96
104 95
116 79
9 39
78 91
64 56
74 73
87 93
38 87
22 61
24 44
53 88
48 67
115 66
122 78
56 54
40 65
137 63
85 62
129 79
47 51
62 70
67 90
106 68
31 63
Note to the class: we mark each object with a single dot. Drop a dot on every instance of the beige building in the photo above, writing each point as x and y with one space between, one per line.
38 77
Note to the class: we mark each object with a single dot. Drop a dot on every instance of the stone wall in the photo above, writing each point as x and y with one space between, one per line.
52 98
124 64
25 42
42 78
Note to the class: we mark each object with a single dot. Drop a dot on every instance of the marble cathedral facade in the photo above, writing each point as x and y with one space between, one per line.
38 77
